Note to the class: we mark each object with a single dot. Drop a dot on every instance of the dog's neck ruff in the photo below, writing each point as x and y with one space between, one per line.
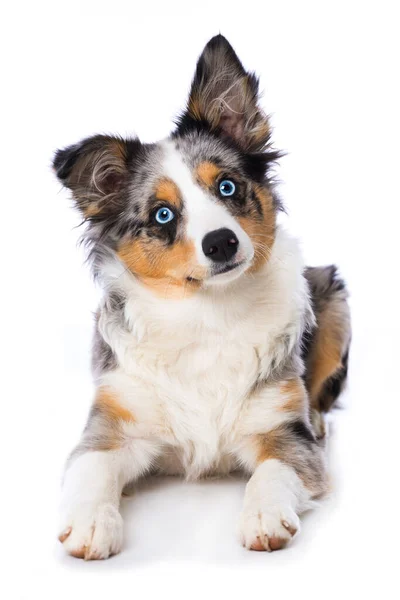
265 312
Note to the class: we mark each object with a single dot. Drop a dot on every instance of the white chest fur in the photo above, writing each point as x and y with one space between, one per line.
186 367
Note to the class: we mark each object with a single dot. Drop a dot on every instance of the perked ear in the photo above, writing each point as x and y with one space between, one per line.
225 96
95 170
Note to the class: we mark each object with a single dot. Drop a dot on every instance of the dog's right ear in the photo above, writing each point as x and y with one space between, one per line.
96 171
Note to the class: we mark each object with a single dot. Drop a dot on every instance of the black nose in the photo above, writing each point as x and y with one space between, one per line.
220 245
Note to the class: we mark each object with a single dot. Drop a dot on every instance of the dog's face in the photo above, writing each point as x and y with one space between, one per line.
191 211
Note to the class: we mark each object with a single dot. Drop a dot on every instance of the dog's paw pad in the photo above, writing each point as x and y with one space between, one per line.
267 529
92 534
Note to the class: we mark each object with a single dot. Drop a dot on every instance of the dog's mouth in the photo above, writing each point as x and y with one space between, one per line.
218 271
227 268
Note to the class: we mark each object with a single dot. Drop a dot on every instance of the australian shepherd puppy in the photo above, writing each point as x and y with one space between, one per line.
215 349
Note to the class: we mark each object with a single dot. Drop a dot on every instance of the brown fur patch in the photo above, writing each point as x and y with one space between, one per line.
267 446
107 402
92 210
297 399
167 190
261 230
306 460
65 534
206 173
194 107
164 269
119 149
327 346
326 354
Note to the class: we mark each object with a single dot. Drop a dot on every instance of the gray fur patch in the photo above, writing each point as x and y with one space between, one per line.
103 358
100 434
295 444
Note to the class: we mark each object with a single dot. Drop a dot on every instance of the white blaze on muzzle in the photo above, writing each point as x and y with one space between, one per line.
203 213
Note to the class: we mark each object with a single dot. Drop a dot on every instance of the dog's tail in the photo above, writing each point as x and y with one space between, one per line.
326 348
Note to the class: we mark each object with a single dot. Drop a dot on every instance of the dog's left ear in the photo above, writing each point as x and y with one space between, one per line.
224 97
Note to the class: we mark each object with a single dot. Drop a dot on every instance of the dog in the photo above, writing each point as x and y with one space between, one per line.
215 348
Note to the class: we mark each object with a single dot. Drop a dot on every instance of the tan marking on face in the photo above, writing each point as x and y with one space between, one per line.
165 270
167 190
169 289
296 394
107 401
206 173
261 231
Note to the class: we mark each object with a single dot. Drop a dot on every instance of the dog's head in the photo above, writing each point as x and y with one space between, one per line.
196 209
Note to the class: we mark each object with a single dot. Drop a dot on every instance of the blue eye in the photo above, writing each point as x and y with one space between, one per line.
227 188
164 215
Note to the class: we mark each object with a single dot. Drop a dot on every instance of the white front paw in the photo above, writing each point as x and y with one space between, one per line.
268 528
92 532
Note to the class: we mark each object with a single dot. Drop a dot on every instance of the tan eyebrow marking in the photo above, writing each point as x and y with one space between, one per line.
167 190
207 172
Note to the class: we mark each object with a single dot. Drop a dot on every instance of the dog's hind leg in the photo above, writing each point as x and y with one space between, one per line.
326 348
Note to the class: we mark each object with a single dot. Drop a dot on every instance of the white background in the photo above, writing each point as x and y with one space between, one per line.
329 71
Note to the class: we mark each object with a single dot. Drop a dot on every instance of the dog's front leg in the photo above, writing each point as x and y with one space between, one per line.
106 459
288 471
